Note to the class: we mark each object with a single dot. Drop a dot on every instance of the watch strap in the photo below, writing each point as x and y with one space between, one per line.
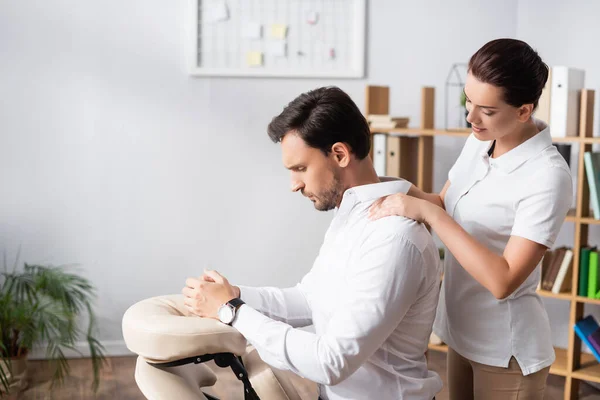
236 303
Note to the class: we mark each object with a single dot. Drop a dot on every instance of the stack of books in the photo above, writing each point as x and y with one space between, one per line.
557 270
384 121
589 285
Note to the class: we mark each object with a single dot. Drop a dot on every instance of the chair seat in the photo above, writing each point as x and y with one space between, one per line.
161 330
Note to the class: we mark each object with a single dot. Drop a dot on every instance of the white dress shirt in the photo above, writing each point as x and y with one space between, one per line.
526 192
371 296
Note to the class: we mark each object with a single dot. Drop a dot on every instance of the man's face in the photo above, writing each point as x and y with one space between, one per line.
312 172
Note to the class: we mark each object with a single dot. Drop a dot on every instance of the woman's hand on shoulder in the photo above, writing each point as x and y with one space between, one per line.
402 205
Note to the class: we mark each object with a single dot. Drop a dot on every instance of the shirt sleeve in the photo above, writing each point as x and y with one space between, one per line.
383 284
540 215
287 305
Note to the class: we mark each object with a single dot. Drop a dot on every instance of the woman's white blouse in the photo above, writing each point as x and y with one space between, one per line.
526 192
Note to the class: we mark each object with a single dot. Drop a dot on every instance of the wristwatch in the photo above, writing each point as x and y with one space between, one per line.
228 310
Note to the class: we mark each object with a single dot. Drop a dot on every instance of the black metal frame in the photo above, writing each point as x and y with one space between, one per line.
223 360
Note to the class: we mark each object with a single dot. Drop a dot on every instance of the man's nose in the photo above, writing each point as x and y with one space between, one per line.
296 186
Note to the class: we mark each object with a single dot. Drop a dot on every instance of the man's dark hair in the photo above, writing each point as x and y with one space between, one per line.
323 117
514 66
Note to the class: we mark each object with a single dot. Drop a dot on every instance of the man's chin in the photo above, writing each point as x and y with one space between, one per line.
322 207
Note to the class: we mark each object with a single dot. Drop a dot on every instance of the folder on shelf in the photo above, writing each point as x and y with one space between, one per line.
562 283
565 100
593 275
380 153
543 109
594 339
584 267
553 268
585 328
592 172
401 159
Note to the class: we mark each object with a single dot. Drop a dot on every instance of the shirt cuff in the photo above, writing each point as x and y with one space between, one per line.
248 321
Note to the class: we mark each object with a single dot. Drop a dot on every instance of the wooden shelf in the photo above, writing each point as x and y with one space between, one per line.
424 132
560 296
438 347
581 299
467 132
591 140
568 139
590 369
559 367
589 221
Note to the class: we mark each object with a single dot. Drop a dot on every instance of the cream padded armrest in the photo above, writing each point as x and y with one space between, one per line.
160 329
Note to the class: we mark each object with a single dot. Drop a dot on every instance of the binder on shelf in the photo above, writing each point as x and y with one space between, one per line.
585 328
592 172
543 109
562 283
593 275
565 99
401 159
380 153
584 268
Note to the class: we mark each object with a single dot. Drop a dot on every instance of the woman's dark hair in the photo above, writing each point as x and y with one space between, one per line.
513 66
322 117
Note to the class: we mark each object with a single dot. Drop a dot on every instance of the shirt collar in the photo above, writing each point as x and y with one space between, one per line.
510 161
374 191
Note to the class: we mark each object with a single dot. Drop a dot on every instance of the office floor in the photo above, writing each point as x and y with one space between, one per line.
118 382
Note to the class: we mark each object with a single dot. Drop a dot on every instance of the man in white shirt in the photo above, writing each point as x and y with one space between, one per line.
372 292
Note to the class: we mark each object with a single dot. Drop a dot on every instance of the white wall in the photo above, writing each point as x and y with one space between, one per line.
113 158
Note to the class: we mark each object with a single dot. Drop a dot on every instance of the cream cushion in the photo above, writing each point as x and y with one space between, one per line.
160 329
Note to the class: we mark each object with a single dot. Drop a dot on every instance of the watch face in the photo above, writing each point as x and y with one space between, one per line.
225 314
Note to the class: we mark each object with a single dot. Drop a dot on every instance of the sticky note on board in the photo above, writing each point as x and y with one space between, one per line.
277 48
312 17
252 30
217 11
278 31
254 58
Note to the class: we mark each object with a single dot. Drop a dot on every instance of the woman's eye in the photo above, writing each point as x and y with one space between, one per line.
489 114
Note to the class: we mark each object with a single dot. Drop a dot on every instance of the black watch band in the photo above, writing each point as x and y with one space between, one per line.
236 303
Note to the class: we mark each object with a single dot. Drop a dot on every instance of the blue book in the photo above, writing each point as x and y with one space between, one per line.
585 328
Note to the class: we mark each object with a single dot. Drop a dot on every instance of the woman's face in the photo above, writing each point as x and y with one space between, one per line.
490 116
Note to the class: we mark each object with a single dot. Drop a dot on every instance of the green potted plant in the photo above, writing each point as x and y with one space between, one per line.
41 305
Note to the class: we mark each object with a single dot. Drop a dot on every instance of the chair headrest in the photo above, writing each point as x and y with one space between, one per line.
161 329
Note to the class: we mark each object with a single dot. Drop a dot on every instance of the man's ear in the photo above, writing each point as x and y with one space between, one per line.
524 112
341 154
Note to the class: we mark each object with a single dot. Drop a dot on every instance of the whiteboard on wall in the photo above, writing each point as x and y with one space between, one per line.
278 38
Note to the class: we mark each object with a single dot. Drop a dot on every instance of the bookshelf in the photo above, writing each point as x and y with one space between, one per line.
571 363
